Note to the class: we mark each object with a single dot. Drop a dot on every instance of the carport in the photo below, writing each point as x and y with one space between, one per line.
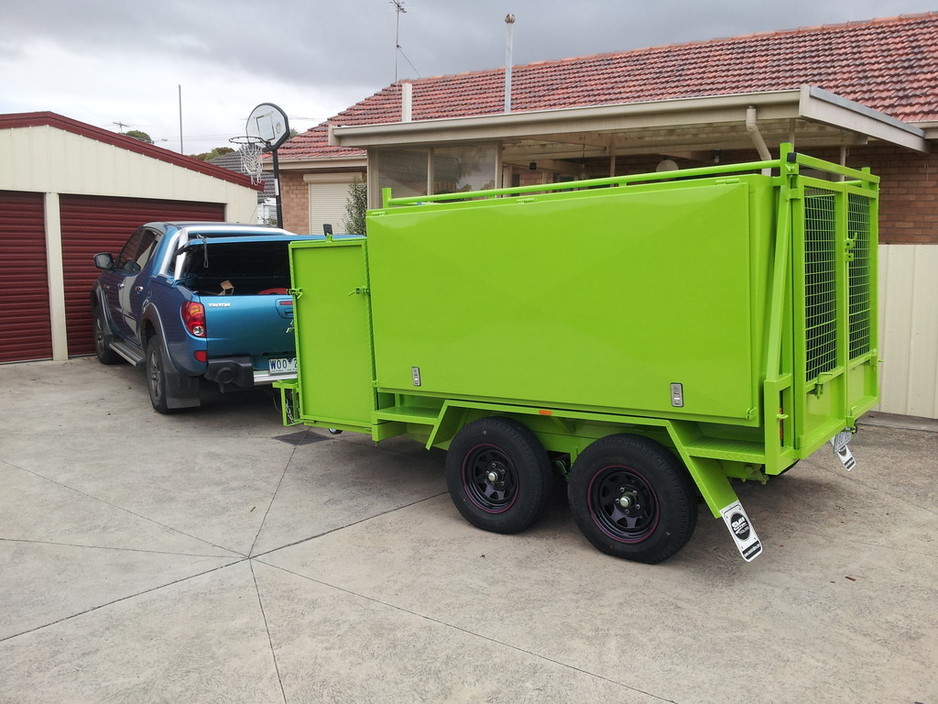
506 149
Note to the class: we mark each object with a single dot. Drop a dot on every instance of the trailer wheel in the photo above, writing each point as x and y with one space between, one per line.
631 498
498 475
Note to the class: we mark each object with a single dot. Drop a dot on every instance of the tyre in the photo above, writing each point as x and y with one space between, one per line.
632 498
498 475
156 375
104 353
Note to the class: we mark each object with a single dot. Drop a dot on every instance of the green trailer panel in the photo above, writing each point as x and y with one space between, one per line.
527 300
334 360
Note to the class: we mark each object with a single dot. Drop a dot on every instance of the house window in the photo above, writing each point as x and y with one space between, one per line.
418 172
457 169
404 172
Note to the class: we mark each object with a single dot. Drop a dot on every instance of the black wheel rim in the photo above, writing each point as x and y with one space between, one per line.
155 375
623 504
490 478
98 336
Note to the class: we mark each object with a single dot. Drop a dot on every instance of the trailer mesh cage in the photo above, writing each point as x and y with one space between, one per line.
820 281
859 273
830 240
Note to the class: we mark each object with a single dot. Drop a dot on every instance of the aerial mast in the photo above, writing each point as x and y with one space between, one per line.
399 9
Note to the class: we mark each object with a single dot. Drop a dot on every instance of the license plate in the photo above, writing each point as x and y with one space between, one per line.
282 365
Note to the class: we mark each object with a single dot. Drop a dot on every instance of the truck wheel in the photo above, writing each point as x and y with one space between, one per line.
632 498
104 353
156 375
498 475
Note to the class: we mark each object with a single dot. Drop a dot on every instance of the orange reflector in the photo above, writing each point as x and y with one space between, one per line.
545 412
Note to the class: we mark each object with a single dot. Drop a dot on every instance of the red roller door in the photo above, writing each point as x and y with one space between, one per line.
92 224
25 326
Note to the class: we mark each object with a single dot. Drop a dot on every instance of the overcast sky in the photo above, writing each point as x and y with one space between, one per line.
106 62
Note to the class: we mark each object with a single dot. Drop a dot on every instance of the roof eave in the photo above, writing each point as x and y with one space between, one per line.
807 103
322 162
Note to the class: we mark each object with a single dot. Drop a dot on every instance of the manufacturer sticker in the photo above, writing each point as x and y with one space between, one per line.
415 374
744 535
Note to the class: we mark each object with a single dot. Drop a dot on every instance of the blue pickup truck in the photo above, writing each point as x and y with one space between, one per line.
194 301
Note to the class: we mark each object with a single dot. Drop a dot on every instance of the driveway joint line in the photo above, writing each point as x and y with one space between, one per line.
467 632
121 599
270 642
55 543
125 510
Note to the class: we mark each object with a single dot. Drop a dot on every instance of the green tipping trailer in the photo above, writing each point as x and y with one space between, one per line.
649 337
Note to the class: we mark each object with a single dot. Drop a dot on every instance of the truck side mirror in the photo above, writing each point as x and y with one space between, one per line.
327 230
104 260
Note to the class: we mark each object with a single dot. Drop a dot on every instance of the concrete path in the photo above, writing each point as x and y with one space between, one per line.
216 556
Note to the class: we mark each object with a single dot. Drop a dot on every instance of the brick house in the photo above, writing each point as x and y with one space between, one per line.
861 93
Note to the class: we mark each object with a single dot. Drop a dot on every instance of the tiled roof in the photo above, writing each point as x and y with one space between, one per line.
890 65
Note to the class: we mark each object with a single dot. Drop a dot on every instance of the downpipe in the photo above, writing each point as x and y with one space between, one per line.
755 135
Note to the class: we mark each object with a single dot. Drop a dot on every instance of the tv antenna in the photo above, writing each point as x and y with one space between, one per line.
398 50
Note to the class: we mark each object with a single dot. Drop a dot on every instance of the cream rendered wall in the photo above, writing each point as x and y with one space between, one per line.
51 160
908 329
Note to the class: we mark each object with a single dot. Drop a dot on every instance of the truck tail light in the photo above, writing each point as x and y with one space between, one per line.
193 317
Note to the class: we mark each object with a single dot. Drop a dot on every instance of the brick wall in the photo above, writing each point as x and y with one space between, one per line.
908 199
294 196
908 190
908 187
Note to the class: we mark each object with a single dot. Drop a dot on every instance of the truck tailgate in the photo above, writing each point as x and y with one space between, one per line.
256 325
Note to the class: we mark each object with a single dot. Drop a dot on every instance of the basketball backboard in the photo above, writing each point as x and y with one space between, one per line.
268 123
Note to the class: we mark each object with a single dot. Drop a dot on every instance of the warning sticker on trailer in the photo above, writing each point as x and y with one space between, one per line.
744 535
839 443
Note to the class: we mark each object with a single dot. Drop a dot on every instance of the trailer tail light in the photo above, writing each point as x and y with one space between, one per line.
193 317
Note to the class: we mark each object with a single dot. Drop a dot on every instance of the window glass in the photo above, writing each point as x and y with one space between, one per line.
459 169
137 251
404 172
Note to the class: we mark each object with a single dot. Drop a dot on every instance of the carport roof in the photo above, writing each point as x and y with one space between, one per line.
888 65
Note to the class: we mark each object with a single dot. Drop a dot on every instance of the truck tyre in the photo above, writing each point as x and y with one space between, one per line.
104 353
156 375
498 475
632 498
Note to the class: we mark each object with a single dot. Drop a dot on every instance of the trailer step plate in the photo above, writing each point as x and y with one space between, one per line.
744 535
840 443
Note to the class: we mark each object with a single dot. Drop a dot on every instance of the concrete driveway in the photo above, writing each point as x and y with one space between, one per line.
215 556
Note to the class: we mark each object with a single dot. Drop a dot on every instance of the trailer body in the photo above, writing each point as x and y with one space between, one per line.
721 317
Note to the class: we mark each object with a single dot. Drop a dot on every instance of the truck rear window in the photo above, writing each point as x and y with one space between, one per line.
237 268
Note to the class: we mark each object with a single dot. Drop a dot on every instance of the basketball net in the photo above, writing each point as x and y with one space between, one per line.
251 151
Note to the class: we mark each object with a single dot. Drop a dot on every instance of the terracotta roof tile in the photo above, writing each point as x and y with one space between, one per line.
888 64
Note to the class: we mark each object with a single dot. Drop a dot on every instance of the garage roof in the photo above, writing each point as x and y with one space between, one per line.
51 119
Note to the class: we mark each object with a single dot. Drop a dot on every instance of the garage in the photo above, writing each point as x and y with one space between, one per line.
69 190
93 224
24 302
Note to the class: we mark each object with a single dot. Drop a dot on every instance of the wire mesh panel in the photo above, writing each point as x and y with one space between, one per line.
858 272
820 282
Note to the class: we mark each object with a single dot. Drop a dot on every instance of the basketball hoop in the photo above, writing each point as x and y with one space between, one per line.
251 149
267 127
